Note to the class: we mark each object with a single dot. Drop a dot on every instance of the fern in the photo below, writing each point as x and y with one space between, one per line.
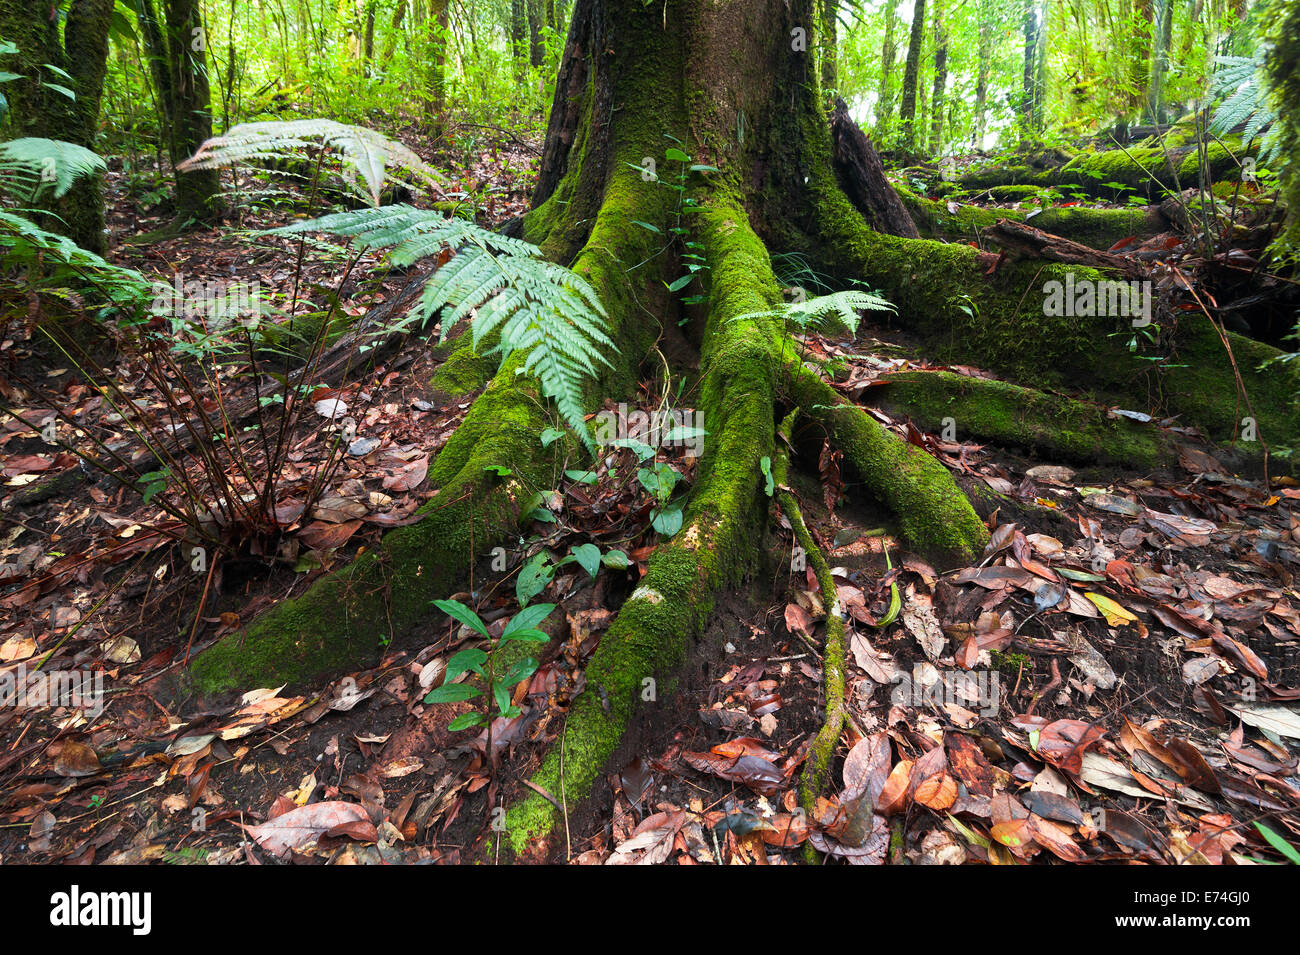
30 165
363 151
54 262
1245 101
840 309
502 284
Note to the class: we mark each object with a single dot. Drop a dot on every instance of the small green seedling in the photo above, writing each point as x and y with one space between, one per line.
522 627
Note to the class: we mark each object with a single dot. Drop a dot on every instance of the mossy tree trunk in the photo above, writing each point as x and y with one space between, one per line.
738 86
176 42
911 77
39 104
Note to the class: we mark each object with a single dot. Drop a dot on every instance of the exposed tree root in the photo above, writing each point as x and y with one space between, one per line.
1061 428
817 767
935 516
1001 307
1096 228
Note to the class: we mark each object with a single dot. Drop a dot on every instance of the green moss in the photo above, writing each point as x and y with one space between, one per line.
935 516
999 411
718 540
1098 228
464 370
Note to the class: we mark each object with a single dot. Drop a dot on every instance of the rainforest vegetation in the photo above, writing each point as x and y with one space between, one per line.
649 431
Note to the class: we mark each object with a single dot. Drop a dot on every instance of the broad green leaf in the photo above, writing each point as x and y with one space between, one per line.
528 618
588 557
469 659
533 578
457 610
465 721
452 693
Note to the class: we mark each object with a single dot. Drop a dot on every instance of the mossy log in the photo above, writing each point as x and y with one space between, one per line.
1147 170
1098 228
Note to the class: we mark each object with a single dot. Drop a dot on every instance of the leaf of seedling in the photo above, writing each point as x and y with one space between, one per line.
471 659
615 560
588 558
642 450
501 693
458 611
527 619
678 284
700 167
533 578
582 477
646 225
673 154
452 693
766 465
499 470
550 436
464 721
667 521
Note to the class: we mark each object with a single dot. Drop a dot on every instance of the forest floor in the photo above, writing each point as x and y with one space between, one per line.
1106 684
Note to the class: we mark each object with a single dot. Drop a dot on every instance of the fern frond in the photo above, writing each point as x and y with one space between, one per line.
363 151
30 165
838 309
502 285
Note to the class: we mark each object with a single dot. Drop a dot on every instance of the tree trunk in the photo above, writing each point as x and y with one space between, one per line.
911 76
519 36
536 20
888 54
190 110
940 78
1029 84
982 71
1160 62
438 25
37 107
748 107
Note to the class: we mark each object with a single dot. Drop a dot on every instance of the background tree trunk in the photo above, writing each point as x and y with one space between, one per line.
940 78
888 54
190 110
38 108
911 76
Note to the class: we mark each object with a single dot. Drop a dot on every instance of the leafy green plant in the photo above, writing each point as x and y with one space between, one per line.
692 252
521 628
363 152
838 309
502 284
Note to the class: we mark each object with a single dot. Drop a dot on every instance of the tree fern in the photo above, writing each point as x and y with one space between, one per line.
363 151
503 285
31 165
839 309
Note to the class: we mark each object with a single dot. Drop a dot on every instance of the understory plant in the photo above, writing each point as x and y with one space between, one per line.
521 628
